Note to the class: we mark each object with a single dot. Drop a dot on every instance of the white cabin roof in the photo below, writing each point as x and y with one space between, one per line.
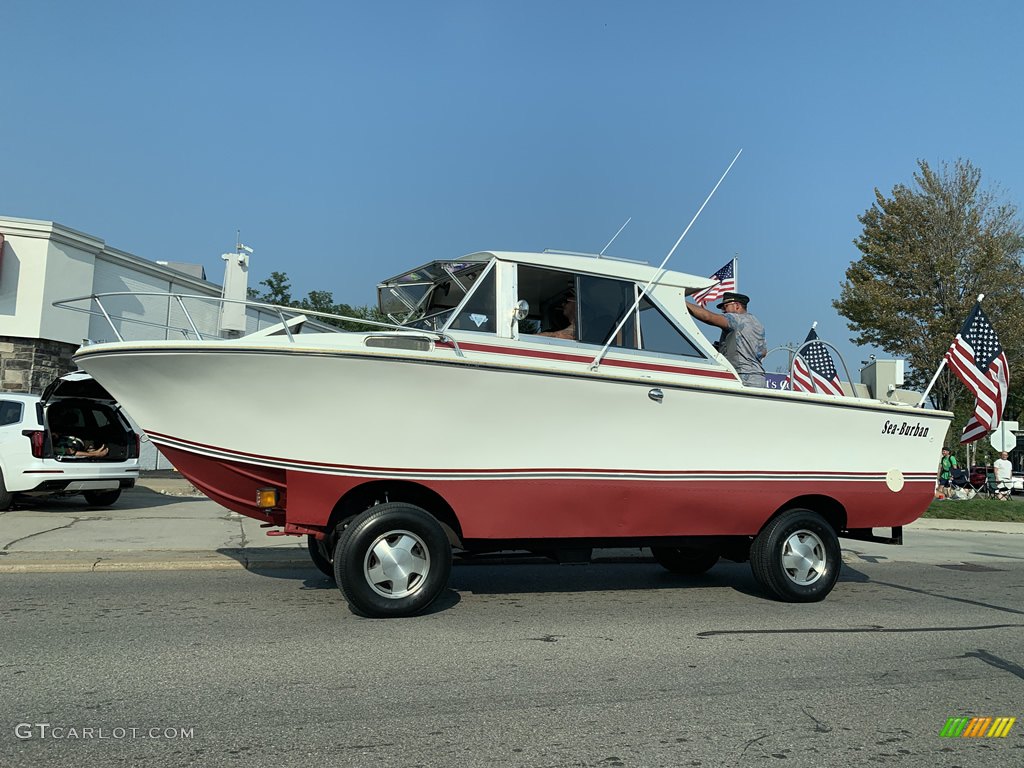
593 265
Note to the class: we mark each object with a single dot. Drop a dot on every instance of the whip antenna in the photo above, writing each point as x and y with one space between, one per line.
614 236
661 269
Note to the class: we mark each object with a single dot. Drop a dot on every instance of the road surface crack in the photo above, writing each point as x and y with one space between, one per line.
10 544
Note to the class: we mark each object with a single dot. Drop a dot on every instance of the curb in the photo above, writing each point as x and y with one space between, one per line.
204 561
95 562
103 562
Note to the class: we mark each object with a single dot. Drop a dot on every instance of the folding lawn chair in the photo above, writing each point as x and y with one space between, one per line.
960 484
998 489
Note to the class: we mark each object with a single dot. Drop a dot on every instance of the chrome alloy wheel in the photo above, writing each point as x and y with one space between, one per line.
396 564
803 557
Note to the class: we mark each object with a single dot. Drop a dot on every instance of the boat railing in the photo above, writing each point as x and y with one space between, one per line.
835 352
287 317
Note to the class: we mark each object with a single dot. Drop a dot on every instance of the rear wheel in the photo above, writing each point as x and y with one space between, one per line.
392 560
320 554
797 557
102 498
689 562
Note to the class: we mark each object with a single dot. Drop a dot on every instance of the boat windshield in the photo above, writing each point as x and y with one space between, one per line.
426 297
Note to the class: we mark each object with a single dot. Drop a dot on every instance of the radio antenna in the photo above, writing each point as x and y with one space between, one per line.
661 269
614 236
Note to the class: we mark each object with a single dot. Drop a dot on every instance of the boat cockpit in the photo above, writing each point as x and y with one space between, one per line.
560 302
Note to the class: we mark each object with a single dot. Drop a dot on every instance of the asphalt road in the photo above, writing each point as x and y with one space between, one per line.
517 665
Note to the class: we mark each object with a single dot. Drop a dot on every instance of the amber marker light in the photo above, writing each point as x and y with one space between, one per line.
266 498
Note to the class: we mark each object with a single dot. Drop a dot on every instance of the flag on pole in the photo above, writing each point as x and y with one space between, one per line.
978 360
814 370
726 278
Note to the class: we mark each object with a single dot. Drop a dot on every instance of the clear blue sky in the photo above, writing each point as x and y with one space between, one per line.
351 141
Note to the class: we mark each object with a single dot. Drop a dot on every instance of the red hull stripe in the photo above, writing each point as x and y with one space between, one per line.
522 473
577 358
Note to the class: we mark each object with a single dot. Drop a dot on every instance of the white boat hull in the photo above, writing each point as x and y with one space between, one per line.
517 449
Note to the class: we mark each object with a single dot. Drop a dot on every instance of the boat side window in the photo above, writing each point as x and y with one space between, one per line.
658 334
574 307
10 412
478 313
603 302
545 290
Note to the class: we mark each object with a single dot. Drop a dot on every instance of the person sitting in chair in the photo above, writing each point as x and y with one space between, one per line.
1003 476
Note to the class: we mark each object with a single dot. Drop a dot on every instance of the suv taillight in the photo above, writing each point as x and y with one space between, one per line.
138 446
38 440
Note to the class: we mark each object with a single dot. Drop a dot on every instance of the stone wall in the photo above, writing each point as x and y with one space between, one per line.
29 365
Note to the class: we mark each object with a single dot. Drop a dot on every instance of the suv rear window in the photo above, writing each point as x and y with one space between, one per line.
10 412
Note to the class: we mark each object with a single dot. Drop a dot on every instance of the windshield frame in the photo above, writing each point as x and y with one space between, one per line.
455 272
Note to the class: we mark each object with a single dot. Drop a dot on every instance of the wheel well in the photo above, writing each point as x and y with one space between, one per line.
362 497
830 509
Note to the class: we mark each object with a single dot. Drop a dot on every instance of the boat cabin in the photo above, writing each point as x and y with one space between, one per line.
554 298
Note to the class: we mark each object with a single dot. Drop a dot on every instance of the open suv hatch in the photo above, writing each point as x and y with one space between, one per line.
37 431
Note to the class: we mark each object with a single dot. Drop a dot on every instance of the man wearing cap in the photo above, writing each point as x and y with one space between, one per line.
742 340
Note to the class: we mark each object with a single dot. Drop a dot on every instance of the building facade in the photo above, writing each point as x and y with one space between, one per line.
42 262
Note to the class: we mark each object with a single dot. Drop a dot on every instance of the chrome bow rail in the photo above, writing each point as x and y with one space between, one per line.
289 319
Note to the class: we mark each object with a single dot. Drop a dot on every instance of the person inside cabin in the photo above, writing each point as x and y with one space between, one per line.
563 317
742 340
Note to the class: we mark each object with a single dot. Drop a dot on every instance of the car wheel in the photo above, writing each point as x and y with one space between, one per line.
796 557
318 553
6 497
689 562
102 498
392 560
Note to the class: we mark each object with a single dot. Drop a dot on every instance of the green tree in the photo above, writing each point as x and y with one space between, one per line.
927 251
279 290
323 301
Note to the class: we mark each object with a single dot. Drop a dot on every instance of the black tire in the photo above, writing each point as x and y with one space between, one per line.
102 498
796 557
417 552
6 497
318 553
688 562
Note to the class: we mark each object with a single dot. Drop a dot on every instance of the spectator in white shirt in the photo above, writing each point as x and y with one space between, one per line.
1004 476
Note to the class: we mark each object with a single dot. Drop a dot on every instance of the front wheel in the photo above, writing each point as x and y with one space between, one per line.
797 557
102 498
392 560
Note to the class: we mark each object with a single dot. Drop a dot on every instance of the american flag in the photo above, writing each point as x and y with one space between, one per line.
813 369
726 278
978 360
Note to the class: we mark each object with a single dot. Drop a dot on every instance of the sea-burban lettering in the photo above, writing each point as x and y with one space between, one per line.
905 429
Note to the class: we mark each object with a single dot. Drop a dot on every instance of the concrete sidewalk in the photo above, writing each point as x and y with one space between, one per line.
165 524
161 524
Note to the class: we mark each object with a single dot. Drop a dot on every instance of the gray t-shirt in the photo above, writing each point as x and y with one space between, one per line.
743 345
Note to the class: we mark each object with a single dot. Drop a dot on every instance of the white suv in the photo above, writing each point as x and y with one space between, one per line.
76 406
